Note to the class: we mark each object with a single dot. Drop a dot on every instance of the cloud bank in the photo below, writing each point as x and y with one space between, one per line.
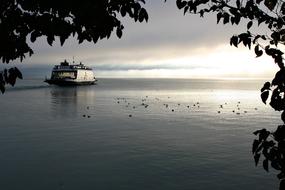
169 45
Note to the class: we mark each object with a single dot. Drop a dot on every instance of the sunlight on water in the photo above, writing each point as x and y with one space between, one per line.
133 134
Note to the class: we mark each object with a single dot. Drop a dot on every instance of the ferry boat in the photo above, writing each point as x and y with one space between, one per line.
71 74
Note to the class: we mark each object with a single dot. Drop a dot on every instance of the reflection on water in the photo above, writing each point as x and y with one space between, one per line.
65 101
47 144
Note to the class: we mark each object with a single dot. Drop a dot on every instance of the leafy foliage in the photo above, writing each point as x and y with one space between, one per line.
271 14
27 20
9 77
272 146
88 20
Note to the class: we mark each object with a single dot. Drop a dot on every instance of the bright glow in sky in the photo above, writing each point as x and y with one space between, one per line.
221 62
169 45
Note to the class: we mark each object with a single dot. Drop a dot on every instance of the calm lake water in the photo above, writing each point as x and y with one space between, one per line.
133 134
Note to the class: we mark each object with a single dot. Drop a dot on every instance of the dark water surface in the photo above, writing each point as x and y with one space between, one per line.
102 136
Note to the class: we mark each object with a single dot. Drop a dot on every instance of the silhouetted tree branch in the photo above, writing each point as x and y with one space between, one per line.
91 20
26 20
271 14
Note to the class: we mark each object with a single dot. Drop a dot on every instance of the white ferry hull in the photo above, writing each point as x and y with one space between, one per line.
65 74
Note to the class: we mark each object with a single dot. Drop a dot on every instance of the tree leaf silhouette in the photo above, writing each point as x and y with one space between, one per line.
234 41
257 51
255 145
2 88
249 25
256 159
180 4
266 86
270 4
264 96
265 164
119 32
18 73
219 16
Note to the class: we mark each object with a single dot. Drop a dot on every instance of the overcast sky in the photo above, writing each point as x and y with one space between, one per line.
169 45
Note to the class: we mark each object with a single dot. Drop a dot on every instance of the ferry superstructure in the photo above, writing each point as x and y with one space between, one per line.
71 74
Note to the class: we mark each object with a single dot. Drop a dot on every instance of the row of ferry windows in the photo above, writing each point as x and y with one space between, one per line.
64 74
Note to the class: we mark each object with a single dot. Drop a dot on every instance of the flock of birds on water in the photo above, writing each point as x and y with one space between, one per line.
85 115
172 107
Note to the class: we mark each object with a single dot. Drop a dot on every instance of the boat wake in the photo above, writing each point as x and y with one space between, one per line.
21 88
